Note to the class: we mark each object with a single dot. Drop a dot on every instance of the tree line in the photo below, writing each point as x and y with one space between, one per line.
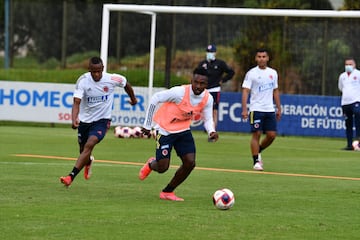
305 51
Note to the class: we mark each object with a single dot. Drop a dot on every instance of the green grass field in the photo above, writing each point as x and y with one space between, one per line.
310 190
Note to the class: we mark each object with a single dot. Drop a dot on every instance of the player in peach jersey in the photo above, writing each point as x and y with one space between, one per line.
172 122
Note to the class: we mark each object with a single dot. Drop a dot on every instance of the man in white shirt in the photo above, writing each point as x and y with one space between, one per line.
349 85
91 112
261 83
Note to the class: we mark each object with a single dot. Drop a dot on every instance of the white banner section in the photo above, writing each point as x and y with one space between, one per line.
52 102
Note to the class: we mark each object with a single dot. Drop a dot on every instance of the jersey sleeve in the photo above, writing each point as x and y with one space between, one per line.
276 85
79 87
119 80
340 84
247 81
208 115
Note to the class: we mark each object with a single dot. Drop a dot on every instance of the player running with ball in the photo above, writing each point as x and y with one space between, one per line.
172 121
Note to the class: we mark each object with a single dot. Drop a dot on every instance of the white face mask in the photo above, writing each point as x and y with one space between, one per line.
210 56
349 68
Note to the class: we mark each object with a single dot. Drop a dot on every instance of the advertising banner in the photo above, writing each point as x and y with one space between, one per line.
302 115
51 102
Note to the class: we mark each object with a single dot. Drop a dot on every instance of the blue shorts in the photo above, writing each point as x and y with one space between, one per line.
263 121
183 143
97 128
350 110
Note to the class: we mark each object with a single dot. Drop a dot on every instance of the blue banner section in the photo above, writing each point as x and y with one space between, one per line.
302 115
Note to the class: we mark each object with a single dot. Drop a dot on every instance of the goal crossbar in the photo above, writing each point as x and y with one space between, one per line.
152 10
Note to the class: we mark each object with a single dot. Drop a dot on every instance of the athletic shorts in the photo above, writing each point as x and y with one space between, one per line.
263 121
350 110
97 128
183 143
216 97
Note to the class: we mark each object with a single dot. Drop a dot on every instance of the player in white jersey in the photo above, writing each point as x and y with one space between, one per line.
261 83
91 112
172 120
349 85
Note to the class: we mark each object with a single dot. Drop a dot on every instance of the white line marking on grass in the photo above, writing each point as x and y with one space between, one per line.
198 168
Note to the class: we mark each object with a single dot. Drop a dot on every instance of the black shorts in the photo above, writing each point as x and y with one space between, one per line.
351 109
263 121
97 128
182 142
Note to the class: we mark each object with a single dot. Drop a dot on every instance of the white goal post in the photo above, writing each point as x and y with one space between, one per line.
152 10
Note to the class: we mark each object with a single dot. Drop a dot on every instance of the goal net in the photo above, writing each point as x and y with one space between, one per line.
307 47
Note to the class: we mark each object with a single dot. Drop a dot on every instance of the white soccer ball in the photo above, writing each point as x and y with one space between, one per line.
223 199
126 132
117 132
355 145
136 132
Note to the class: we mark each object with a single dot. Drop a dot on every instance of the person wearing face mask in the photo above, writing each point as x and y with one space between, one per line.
218 72
349 85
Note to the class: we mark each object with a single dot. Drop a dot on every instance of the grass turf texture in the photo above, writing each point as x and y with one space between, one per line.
114 204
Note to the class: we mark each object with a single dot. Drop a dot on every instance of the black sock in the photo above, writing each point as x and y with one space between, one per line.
168 188
260 149
73 173
256 158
